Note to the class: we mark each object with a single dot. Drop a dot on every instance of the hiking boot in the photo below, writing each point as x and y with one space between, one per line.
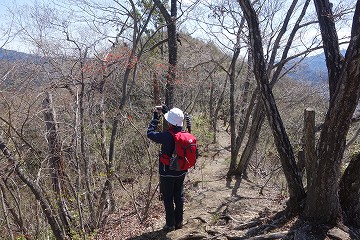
167 228
178 226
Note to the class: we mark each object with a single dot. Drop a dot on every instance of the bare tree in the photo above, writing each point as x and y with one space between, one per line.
275 72
172 38
296 190
80 74
322 200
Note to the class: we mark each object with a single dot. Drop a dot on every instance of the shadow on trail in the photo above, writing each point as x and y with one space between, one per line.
156 235
305 230
222 209
237 184
263 227
235 187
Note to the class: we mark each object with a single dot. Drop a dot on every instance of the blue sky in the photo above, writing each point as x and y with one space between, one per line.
5 5
5 21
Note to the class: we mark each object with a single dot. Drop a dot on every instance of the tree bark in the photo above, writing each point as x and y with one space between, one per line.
213 121
293 177
350 192
257 122
330 42
309 142
248 151
232 113
56 160
253 136
170 19
322 203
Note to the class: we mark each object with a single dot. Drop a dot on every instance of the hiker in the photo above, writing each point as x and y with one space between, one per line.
171 181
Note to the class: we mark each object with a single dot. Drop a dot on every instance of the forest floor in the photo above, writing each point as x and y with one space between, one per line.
215 209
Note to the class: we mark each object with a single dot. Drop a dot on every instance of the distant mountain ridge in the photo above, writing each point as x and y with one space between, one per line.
12 56
311 69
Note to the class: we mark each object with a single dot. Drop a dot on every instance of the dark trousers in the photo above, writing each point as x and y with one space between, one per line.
172 190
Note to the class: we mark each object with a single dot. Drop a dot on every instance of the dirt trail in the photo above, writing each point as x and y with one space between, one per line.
212 210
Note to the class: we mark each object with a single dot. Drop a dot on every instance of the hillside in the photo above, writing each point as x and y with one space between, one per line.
311 69
216 210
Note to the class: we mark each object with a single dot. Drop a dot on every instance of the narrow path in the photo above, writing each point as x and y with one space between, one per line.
211 210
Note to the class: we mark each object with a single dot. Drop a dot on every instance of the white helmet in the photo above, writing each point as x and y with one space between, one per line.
175 117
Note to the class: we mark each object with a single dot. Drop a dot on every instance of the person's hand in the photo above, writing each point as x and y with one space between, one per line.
158 109
156 114
161 109
164 108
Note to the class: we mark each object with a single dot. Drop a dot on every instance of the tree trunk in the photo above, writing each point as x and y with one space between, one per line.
322 203
330 41
172 46
219 103
287 158
350 192
126 90
257 122
56 160
213 120
84 153
244 119
248 151
232 113
5 213
309 142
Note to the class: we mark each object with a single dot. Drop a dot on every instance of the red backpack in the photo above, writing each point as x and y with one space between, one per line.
185 152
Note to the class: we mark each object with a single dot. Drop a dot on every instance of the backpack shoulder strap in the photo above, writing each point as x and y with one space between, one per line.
174 133
171 132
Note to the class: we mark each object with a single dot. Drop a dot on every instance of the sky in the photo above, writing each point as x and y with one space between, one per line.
5 21
16 45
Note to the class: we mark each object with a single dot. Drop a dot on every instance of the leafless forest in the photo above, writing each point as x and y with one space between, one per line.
74 111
